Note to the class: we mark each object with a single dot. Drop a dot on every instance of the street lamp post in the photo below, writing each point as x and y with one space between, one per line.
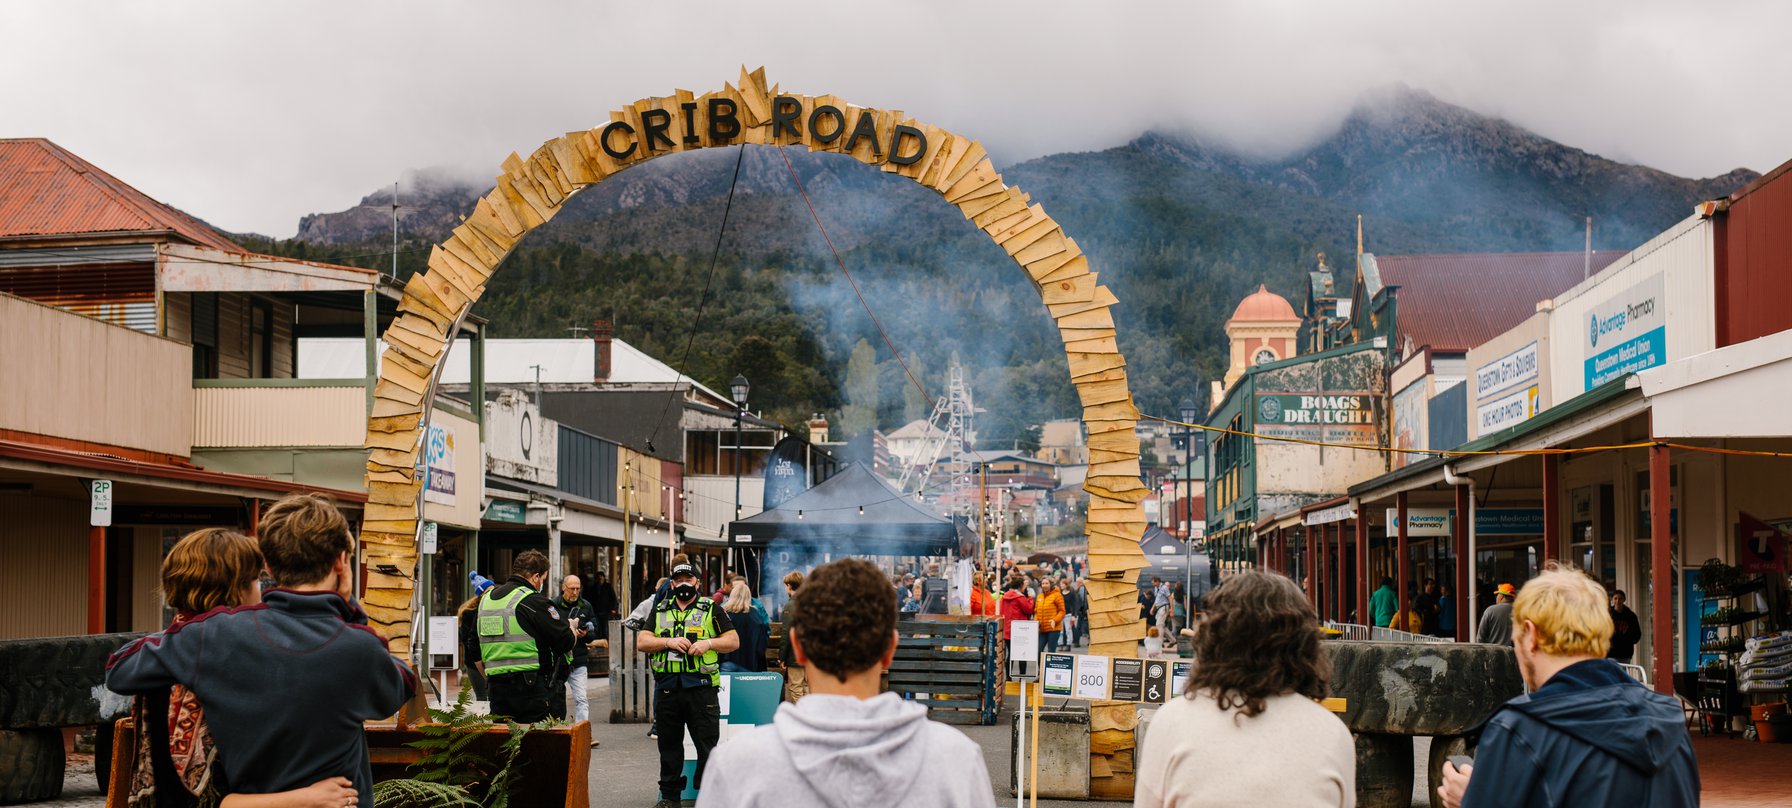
739 388
1189 413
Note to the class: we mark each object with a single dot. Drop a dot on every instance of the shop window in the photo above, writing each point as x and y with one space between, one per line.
205 335
700 454
713 451
261 340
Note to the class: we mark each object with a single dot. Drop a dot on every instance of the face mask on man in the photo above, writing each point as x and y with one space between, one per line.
684 591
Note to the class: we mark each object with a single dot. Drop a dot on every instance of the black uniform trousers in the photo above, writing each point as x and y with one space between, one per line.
674 710
522 696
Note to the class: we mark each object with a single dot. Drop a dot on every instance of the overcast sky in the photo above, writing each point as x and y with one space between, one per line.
253 114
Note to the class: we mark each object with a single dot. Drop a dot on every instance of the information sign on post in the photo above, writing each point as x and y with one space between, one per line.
99 511
1091 677
430 533
1060 674
444 643
1023 650
1157 681
1179 672
1128 679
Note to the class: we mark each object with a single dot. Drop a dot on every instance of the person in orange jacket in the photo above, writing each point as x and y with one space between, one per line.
983 598
1050 614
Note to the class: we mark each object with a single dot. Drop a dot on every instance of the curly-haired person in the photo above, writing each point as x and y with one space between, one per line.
1248 729
845 745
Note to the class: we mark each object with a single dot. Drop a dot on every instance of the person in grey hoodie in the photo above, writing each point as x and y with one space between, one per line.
845 745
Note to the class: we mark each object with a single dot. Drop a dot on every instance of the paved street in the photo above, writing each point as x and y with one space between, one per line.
1735 773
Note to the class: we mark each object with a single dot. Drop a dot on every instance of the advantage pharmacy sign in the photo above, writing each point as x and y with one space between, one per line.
1331 417
1627 333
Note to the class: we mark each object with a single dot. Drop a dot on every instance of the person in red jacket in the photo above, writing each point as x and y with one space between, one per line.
1016 605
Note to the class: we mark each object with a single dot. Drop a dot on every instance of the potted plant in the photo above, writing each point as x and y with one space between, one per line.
461 759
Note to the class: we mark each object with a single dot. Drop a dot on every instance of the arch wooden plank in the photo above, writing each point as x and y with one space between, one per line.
531 190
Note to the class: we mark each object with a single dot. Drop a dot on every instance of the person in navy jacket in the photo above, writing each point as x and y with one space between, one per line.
286 683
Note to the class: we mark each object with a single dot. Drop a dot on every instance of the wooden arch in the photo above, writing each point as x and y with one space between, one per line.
531 190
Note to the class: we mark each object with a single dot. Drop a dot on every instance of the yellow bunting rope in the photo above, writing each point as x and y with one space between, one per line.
1472 453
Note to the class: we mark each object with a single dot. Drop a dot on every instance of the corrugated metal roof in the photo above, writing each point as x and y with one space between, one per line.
1456 302
45 190
121 294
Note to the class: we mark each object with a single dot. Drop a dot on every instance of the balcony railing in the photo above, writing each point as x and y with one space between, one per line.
267 413
68 376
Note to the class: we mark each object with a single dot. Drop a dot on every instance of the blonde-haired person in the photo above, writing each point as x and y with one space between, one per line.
287 683
1587 734
754 632
207 569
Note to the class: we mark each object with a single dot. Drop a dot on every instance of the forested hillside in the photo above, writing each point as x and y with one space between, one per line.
1178 229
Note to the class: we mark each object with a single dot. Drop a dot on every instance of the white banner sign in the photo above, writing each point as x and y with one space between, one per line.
1336 513
1507 411
1512 370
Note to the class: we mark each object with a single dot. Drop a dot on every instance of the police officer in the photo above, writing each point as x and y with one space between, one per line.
684 641
522 639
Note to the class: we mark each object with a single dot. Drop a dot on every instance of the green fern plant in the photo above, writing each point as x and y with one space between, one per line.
420 794
498 795
450 774
447 757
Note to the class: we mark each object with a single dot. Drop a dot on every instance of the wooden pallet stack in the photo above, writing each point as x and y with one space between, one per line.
954 663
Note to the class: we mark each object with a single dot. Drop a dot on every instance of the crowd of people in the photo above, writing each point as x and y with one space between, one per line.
1246 730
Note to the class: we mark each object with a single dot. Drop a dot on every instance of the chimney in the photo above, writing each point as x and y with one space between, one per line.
818 429
601 334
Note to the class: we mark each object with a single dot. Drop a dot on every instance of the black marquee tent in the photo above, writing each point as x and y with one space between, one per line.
855 512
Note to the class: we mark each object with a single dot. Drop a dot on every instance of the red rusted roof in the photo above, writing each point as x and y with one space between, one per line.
45 190
1455 302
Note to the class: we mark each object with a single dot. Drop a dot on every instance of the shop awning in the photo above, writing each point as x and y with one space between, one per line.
31 457
190 268
1733 392
1589 412
855 511
586 517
